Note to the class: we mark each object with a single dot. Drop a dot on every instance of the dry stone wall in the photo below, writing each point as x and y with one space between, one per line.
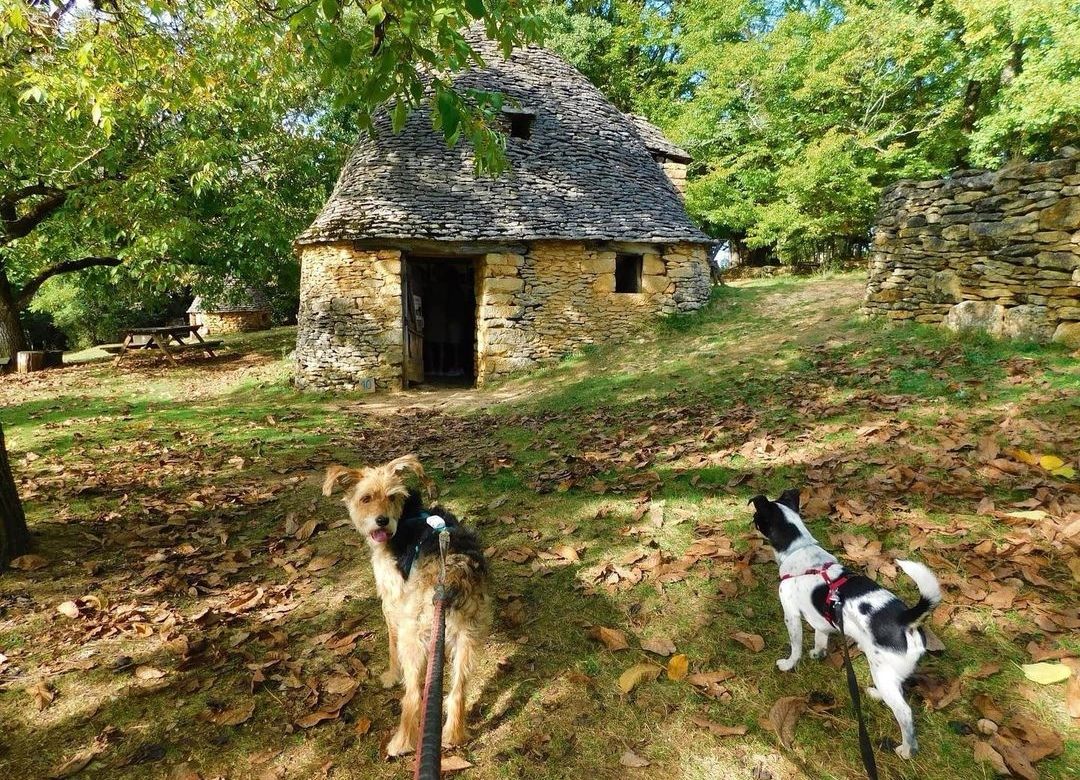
219 322
532 308
349 323
997 251
560 295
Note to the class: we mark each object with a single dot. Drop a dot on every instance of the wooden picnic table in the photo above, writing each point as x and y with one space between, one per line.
169 339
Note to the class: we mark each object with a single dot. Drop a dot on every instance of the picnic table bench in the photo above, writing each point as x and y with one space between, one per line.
170 339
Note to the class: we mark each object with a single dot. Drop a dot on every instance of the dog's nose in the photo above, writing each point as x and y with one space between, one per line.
382 521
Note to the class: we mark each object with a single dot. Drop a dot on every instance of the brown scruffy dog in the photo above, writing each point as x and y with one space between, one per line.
405 560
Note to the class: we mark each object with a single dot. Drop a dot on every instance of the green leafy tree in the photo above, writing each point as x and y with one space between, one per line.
800 112
150 135
627 48
153 136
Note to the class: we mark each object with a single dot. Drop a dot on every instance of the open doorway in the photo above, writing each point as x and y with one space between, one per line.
439 312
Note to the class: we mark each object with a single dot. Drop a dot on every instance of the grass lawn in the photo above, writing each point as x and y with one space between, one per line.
198 597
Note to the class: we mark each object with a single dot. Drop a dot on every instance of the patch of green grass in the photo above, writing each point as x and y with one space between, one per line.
569 455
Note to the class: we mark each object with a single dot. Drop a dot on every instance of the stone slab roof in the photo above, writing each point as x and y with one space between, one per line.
655 140
584 173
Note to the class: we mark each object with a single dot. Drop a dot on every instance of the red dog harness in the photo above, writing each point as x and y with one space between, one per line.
832 597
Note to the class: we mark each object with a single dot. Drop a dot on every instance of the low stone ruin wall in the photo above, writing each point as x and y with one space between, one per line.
997 251
218 322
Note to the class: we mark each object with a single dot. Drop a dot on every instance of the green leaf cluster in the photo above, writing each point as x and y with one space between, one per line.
798 112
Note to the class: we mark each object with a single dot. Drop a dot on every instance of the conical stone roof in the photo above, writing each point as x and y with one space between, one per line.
584 173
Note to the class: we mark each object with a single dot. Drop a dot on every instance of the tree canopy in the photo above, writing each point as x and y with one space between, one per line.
152 144
798 112
164 136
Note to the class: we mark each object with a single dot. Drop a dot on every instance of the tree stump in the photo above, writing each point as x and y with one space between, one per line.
25 362
54 358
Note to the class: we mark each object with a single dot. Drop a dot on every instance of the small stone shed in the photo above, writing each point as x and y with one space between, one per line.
237 309
418 269
996 251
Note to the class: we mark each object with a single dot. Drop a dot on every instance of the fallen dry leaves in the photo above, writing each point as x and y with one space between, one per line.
783 716
637 674
81 759
232 716
454 764
612 638
677 668
658 645
752 642
633 760
718 729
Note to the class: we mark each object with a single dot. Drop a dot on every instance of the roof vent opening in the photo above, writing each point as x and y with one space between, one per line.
520 122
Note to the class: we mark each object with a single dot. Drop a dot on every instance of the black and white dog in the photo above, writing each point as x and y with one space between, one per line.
813 583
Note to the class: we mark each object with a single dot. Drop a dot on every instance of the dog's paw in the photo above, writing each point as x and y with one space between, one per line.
452 735
906 751
399 745
390 678
817 655
785 664
873 693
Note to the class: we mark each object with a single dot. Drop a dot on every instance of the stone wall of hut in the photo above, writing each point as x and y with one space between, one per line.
533 307
997 251
216 323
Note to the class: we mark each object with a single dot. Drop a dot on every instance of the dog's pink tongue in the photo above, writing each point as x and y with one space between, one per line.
379 535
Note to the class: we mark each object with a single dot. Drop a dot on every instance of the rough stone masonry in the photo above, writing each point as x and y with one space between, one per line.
996 251
533 306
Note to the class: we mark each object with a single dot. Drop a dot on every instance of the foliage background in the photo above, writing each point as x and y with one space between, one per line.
197 144
798 112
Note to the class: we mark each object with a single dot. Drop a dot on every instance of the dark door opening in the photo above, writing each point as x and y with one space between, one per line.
440 320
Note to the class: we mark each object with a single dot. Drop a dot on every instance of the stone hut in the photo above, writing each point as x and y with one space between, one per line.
237 309
996 251
417 269
669 156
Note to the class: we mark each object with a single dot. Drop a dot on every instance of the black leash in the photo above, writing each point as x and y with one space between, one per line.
865 748
429 754
429 751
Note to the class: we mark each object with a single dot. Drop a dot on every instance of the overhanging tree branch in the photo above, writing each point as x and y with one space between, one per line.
28 291
19 226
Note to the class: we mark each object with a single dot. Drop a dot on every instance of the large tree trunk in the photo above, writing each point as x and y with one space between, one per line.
14 536
12 335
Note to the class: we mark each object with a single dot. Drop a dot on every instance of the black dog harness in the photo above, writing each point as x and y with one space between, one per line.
832 597
406 561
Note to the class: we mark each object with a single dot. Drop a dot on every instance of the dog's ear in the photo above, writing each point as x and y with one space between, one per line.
334 473
790 499
406 463
412 463
761 503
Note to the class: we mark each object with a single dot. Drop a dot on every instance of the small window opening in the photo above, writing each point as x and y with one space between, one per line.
627 273
520 123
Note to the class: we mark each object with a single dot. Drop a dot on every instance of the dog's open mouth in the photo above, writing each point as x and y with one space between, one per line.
379 535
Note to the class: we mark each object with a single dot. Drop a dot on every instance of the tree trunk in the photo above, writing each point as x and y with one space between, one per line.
12 335
14 536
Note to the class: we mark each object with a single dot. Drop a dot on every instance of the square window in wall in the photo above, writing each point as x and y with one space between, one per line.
627 273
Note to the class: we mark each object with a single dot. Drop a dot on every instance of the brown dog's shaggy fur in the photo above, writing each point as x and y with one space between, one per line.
405 561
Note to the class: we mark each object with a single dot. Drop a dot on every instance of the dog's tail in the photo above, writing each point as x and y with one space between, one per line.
929 592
